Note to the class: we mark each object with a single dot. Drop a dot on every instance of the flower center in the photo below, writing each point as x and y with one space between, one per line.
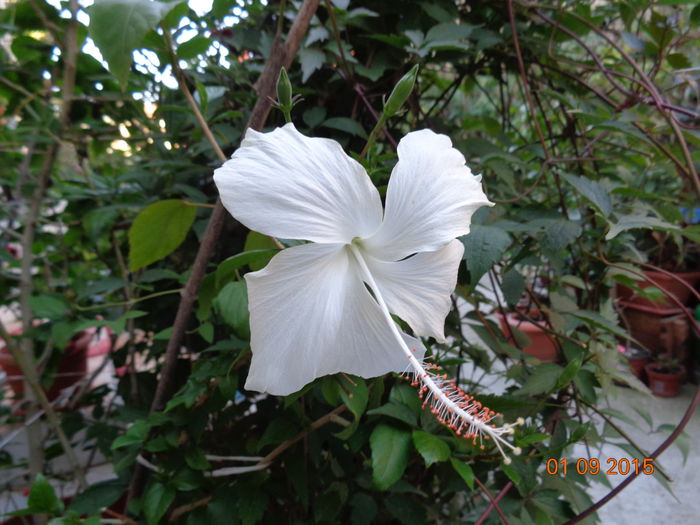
356 241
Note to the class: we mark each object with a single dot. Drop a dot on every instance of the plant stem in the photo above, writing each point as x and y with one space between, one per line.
373 136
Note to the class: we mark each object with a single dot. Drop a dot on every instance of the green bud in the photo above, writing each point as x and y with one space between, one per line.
401 92
284 90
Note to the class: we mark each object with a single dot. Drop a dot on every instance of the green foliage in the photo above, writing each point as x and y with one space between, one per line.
118 27
158 230
390 448
586 167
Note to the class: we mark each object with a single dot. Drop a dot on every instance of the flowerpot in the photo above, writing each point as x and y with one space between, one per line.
541 345
659 329
664 384
667 284
637 360
71 368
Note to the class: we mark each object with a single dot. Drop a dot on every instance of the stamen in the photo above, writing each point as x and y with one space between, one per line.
450 405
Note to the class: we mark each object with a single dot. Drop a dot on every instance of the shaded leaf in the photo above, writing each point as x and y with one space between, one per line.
156 502
390 447
232 305
311 60
483 246
432 448
593 191
629 222
464 470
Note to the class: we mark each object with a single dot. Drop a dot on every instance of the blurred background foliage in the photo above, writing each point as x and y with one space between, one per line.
582 118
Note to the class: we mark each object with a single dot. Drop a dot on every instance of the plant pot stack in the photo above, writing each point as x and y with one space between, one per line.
661 326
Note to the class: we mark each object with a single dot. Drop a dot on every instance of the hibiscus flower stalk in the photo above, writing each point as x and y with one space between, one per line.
285 102
448 403
398 96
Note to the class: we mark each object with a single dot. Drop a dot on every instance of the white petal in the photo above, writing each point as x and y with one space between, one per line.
291 186
418 289
310 316
431 197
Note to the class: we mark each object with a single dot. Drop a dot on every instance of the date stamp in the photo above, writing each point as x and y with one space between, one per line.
593 466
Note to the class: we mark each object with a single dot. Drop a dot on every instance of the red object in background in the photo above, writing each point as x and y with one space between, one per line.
666 284
71 368
664 384
541 345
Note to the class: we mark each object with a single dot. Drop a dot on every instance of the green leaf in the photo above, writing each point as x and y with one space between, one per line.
251 506
432 448
119 26
158 230
156 502
258 241
683 441
406 509
543 379
98 496
390 447
347 125
629 222
558 233
695 15
483 246
136 433
49 306
311 60
679 61
232 305
193 47
364 509
396 410
511 473
206 330
593 191
464 470
354 394
42 497
512 286
227 269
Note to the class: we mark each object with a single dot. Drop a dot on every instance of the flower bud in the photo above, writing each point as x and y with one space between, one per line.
401 92
284 90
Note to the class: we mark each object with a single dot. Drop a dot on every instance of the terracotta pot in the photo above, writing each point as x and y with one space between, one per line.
667 284
663 384
637 359
660 329
71 368
541 345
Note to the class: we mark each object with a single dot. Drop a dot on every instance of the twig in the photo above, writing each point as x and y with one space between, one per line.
184 509
314 426
494 502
